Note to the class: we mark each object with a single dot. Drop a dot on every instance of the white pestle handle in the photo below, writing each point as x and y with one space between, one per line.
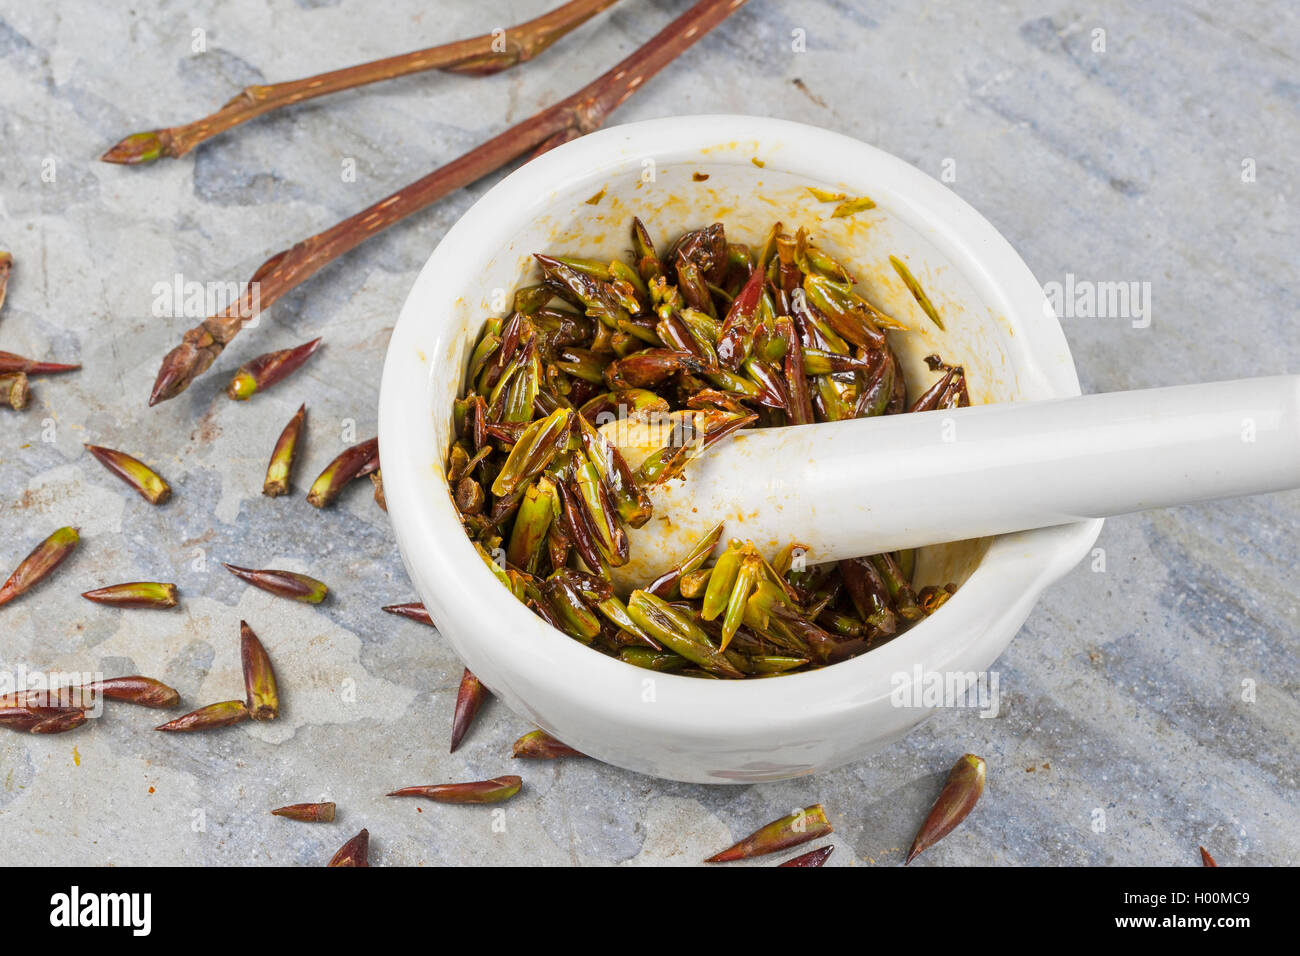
869 485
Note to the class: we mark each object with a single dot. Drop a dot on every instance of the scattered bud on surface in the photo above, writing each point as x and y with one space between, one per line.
539 745
480 791
40 564
808 824
356 852
140 594
958 797
286 584
280 469
135 473
307 812
223 714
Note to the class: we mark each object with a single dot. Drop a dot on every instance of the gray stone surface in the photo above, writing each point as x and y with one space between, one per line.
1124 692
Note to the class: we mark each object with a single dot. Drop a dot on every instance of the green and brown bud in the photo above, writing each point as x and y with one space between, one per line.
280 470
664 661
768 663
6 266
848 314
286 584
354 462
222 714
575 615
40 564
138 148
799 827
377 479
414 612
469 698
539 745
591 292
141 594
675 630
144 691
480 791
135 473
666 585
266 370
538 509
307 812
918 293
537 447
259 676
961 791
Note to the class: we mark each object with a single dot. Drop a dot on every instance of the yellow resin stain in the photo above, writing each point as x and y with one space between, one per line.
76 757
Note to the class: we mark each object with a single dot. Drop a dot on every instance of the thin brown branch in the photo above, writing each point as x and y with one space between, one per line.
477 56
578 114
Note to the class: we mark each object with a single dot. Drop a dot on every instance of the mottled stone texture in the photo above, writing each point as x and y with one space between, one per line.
1124 694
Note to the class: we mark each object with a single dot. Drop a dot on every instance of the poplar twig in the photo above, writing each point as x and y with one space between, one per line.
580 113
477 56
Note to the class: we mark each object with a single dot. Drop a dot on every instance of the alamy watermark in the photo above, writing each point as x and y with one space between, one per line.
1077 298
198 300
74 908
933 689
54 689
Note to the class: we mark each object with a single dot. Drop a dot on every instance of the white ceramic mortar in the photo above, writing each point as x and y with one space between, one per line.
999 327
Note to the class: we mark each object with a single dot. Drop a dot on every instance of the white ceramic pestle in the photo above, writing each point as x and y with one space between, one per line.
864 486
